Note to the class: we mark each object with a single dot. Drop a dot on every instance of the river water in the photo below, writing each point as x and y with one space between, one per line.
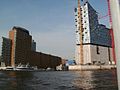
59 80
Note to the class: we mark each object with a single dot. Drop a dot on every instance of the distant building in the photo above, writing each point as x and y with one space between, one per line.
6 51
21 49
70 62
96 38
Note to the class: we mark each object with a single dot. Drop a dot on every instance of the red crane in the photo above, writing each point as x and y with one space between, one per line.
101 17
111 29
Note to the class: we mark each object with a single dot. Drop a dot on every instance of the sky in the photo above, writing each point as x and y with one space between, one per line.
50 22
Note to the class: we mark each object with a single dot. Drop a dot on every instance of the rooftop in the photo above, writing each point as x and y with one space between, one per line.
20 28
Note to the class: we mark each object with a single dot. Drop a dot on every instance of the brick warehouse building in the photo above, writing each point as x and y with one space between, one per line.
42 60
21 51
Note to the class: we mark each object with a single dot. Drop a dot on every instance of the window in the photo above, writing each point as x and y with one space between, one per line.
81 9
97 50
86 40
76 31
75 9
85 32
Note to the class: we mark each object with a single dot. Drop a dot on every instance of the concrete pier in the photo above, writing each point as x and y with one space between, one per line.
91 67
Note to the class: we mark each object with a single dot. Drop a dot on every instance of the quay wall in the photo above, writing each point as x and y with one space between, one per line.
90 67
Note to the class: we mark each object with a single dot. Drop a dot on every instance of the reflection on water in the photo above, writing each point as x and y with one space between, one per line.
10 80
62 80
84 80
96 80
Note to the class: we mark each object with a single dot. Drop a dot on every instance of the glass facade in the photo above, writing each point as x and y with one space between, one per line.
99 34
93 32
6 51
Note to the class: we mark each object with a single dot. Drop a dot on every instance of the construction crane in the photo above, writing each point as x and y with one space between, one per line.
111 29
101 17
80 32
